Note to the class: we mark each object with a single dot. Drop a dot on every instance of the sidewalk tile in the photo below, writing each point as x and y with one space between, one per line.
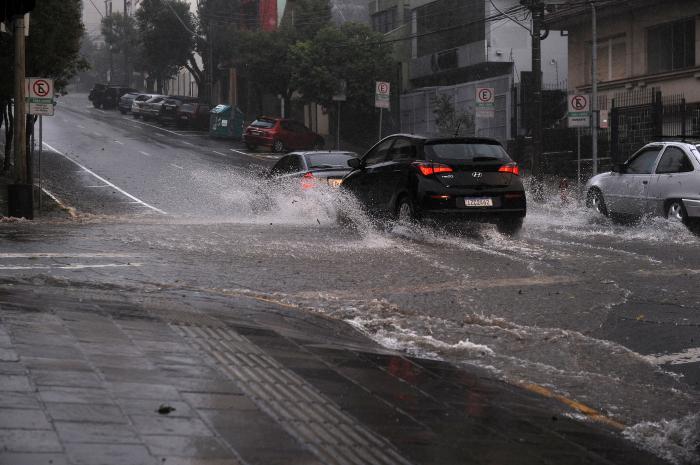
118 361
32 459
161 392
11 418
8 355
18 400
104 433
22 440
169 460
75 395
38 363
48 351
15 383
65 378
219 401
12 368
187 446
156 424
145 406
110 454
85 412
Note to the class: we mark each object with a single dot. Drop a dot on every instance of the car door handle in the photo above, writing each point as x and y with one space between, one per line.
645 182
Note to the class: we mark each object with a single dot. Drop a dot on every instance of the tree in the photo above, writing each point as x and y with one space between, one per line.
166 38
448 120
53 48
121 37
306 18
352 52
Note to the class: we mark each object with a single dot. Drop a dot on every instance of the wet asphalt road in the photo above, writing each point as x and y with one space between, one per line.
605 314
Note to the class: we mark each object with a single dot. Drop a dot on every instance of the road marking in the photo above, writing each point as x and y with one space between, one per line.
177 166
97 134
219 153
81 126
64 255
101 185
107 182
72 266
144 153
188 143
70 210
120 143
257 157
157 127
691 355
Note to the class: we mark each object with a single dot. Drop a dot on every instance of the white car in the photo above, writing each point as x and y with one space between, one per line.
662 178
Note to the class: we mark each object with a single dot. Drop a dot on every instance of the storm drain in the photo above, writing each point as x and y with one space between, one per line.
328 432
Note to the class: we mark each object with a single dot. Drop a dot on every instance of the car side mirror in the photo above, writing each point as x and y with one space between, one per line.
355 163
618 168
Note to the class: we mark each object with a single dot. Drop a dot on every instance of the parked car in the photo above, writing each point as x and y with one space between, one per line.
280 135
168 111
150 109
125 102
193 115
309 169
108 96
449 180
662 179
138 103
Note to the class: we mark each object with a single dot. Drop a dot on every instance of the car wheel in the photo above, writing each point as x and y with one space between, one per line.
250 146
122 111
318 145
510 226
278 146
405 211
675 211
597 202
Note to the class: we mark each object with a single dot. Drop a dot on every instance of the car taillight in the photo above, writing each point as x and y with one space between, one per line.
428 169
308 181
512 168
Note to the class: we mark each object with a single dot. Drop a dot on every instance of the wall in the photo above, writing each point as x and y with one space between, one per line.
632 26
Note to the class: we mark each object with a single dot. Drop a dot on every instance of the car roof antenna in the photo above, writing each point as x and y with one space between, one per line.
459 123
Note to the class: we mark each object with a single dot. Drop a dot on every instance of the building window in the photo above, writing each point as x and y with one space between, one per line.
671 46
385 21
446 24
612 59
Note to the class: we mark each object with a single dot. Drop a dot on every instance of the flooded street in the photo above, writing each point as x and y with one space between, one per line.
596 315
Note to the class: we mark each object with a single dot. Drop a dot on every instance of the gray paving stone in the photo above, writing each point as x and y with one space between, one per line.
102 348
134 375
38 363
10 458
12 368
22 440
75 395
117 361
65 378
18 400
161 392
218 401
85 412
216 385
163 346
156 424
8 355
48 351
169 460
12 418
186 446
17 383
110 454
104 433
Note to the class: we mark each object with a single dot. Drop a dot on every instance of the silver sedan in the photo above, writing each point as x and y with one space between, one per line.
662 178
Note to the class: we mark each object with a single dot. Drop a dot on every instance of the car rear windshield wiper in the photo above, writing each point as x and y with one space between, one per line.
327 166
485 159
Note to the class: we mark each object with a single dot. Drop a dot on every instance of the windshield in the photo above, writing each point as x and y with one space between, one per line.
263 123
186 107
465 152
328 160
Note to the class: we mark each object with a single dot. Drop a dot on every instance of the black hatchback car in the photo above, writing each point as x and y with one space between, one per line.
444 179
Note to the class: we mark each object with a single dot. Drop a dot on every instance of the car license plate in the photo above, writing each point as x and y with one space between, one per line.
472 202
334 182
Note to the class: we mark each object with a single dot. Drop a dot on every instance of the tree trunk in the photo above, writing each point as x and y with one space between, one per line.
9 136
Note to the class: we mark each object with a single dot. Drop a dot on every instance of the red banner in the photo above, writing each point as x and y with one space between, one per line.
268 15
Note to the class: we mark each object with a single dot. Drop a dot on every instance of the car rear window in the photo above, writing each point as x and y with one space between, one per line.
465 151
263 123
327 160
187 107
155 100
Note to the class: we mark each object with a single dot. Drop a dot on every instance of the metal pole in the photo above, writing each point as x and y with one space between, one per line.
127 80
537 10
41 146
210 39
578 160
337 142
594 89
381 113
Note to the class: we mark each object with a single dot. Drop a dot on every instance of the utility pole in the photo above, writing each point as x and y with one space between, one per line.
210 39
127 77
108 13
594 89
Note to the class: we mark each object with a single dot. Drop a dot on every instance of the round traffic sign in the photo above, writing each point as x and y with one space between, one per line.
382 87
485 95
41 88
579 102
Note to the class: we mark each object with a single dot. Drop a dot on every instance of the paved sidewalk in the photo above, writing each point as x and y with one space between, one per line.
102 377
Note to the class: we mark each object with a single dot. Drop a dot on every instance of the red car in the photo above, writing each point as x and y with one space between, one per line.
280 135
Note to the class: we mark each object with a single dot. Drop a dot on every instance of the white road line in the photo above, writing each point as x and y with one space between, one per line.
120 143
73 266
219 153
157 127
107 182
177 166
63 255
188 143
97 134
101 185
691 355
71 211
144 153
257 157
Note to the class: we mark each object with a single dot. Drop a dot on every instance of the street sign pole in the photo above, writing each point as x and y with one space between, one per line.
382 95
41 147
578 161
337 141
381 112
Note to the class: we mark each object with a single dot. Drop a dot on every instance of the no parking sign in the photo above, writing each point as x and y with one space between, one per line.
40 96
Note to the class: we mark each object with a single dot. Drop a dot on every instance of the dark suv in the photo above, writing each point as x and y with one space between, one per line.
446 179
107 96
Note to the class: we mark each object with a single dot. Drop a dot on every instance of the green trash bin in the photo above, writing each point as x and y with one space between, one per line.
226 122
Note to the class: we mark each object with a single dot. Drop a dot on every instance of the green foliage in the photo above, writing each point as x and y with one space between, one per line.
448 120
165 43
119 32
352 52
